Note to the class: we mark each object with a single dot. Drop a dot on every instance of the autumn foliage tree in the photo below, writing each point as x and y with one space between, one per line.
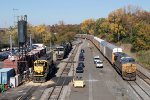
88 26
125 25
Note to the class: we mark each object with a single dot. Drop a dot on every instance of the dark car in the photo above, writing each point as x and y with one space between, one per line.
81 57
15 51
82 50
81 64
3 56
79 70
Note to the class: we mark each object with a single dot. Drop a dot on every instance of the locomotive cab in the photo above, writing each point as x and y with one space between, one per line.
60 52
40 70
128 68
125 65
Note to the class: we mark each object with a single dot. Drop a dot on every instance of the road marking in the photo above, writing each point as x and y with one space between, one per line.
92 80
90 87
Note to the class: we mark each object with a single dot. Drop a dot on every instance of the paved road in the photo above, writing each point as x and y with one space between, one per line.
101 84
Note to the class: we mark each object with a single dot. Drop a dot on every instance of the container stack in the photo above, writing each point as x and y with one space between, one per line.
5 75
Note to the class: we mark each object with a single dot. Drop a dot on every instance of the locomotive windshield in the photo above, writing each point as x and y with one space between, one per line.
60 49
128 60
40 64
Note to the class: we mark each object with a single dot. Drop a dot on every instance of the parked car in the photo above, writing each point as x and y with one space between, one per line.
78 81
99 64
96 58
81 57
3 56
82 50
79 70
81 64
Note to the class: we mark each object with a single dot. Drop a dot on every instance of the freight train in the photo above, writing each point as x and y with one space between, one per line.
43 68
123 63
34 56
63 50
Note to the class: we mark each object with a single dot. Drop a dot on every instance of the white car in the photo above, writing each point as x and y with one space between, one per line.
99 64
96 58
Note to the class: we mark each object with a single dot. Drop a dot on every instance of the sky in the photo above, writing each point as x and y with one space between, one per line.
50 12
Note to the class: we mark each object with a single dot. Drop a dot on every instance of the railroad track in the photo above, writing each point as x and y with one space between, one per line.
56 91
139 86
143 77
57 88
28 94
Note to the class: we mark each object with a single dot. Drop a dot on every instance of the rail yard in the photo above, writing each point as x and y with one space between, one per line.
105 83
75 50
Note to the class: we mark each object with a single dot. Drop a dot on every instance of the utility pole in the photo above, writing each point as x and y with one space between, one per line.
50 42
31 41
10 45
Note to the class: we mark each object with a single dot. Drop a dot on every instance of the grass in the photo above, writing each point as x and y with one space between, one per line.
141 57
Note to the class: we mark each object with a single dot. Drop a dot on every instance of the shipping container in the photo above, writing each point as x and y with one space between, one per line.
5 74
18 79
12 82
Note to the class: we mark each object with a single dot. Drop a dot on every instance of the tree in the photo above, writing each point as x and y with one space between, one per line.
88 26
142 39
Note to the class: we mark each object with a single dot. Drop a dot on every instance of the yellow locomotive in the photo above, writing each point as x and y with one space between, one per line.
43 67
125 65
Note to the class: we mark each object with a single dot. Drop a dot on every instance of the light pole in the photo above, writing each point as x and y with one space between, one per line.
50 42
10 46
30 41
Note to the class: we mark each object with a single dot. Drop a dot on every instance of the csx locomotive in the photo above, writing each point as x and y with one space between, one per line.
123 63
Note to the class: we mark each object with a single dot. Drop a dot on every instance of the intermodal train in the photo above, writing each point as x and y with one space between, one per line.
43 67
123 63
63 50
